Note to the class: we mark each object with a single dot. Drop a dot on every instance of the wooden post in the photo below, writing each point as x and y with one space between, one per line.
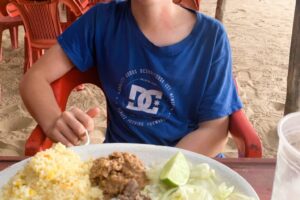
292 103
220 9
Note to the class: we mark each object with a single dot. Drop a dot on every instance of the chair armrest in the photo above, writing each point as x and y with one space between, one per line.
12 10
244 135
36 142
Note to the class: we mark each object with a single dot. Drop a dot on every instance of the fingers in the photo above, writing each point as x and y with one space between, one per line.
86 140
93 112
58 137
67 132
73 120
85 119
70 128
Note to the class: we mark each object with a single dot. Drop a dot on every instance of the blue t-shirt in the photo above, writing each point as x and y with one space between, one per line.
155 95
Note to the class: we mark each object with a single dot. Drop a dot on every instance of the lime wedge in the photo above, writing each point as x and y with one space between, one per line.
176 171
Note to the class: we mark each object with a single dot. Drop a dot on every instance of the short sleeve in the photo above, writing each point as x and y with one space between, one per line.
220 97
77 41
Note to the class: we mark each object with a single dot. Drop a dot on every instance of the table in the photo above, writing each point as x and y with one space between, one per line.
258 172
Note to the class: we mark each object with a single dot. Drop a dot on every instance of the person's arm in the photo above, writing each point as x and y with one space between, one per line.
37 94
209 139
218 101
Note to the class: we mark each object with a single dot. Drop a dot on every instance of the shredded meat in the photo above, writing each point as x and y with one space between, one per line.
132 192
115 174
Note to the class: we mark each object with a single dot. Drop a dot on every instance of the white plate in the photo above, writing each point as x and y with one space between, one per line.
149 154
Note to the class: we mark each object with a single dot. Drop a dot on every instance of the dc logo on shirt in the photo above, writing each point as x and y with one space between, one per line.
141 99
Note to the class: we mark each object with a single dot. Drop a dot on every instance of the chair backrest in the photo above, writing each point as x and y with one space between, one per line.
72 6
77 7
40 18
83 3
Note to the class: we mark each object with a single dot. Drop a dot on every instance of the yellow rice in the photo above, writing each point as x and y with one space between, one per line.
57 173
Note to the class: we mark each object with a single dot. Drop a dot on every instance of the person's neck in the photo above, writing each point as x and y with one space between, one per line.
156 17
155 12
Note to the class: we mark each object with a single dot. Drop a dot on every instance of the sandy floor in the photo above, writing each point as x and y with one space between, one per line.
259 31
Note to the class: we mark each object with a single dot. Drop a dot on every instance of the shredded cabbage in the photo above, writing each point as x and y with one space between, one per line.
203 184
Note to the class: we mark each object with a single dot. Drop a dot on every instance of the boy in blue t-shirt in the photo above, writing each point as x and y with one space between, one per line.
166 72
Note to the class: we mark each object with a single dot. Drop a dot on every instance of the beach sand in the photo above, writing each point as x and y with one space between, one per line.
260 35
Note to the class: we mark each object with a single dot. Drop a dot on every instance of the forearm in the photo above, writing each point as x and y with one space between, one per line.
68 127
35 88
209 139
39 99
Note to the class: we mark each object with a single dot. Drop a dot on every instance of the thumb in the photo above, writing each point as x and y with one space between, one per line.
93 112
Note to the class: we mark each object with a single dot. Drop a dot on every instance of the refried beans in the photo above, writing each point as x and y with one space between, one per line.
118 173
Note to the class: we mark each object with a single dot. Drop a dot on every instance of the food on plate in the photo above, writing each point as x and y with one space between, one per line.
203 184
121 174
176 171
57 173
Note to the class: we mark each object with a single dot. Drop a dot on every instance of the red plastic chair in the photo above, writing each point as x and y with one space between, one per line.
72 6
74 9
83 5
79 7
10 23
42 27
191 4
246 138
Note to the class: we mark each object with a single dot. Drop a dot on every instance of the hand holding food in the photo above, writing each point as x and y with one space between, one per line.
71 126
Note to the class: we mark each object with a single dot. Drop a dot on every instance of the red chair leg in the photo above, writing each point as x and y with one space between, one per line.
14 37
36 54
0 53
27 56
1 44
